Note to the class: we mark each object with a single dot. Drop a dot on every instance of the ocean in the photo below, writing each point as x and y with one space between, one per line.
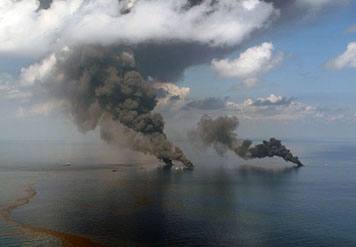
225 201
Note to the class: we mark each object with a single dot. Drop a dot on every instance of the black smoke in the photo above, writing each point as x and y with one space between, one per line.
165 60
272 148
168 61
99 87
45 4
220 134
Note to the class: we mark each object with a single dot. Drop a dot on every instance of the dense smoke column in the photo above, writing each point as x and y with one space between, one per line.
220 133
99 85
271 148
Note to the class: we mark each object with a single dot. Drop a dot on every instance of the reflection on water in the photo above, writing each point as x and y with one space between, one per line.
214 205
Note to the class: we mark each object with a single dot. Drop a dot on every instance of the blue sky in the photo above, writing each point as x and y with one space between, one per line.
323 98
309 43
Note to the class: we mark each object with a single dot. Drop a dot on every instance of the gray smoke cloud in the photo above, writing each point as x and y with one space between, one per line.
106 85
45 4
100 87
168 61
220 134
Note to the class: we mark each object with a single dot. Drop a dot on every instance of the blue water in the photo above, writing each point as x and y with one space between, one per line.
225 201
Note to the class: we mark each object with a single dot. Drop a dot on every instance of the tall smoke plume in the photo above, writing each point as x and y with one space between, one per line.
220 133
105 85
99 87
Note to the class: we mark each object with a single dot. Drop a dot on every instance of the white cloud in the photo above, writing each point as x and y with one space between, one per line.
347 59
38 71
281 108
26 31
250 4
22 87
173 99
273 100
250 64
273 107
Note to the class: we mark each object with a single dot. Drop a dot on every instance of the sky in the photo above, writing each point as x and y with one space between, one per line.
285 69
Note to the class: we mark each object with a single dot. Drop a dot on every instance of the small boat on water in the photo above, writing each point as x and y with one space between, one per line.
68 164
114 170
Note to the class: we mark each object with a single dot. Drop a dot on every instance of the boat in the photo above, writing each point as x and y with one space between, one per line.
68 164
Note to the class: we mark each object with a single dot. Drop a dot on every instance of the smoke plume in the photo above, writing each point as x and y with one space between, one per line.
105 85
100 87
220 133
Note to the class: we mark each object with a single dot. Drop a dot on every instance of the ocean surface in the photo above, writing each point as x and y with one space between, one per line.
225 201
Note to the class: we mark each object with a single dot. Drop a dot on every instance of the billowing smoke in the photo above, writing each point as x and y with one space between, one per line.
107 85
273 148
99 87
220 133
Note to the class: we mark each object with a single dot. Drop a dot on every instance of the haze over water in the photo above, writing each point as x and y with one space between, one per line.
223 202
132 84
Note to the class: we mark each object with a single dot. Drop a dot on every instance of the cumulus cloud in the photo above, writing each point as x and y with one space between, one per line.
170 97
32 27
273 100
249 65
272 107
179 34
281 108
37 72
347 59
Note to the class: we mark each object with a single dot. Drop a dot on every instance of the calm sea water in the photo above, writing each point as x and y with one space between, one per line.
223 202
